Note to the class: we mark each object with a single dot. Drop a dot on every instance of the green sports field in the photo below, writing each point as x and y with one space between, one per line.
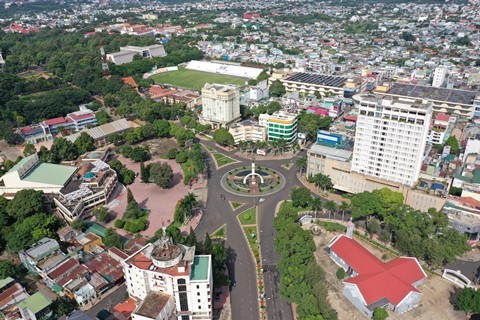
192 79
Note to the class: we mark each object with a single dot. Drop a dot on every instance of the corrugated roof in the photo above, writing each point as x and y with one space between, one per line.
102 131
21 163
6 281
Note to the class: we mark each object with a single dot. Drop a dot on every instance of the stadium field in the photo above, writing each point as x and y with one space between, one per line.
192 79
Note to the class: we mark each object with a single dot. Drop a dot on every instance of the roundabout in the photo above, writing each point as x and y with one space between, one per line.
252 181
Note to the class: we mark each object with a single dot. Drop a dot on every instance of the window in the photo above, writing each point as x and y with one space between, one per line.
183 301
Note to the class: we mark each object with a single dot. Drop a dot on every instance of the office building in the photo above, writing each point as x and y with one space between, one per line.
248 131
439 77
171 275
280 125
220 105
390 138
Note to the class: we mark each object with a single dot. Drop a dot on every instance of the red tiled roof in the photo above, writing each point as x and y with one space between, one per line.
442 117
140 261
26 130
54 121
468 201
63 268
377 280
130 81
350 118
117 252
106 266
11 293
80 116
79 271
126 308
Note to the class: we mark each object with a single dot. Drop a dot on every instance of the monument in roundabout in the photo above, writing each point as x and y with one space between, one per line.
252 181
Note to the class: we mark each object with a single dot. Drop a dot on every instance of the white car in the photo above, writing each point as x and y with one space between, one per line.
261 200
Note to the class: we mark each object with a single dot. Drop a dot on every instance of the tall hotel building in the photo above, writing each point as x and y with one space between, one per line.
390 137
220 105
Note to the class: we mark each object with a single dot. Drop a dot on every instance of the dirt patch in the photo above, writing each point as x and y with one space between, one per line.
435 302
160 147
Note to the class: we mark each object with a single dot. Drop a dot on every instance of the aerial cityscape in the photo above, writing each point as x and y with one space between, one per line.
239 160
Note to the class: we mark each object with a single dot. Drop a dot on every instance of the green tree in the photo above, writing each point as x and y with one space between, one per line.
112 239
191 239
8 269
207 244
63 306
102 214
223 137
453 143
380 314
102 117
340 273
84 143
133 210
468 300
27 202
407 36
139 154
29 149
390 200
373 226
144 172
162 175
316 204
80 225
277 89
301 164
365 204
310 123
301 197
63 150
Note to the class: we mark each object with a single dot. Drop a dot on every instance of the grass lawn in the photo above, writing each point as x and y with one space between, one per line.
252 241
248 216
187 167
236 205
193 79
222 160
287 205
220 233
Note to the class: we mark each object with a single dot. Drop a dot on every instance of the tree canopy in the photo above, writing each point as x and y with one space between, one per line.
223 137
162 175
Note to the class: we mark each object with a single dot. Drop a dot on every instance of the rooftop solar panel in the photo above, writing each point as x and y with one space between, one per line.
311 78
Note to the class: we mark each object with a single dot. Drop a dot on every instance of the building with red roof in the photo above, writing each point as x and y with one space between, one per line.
373 283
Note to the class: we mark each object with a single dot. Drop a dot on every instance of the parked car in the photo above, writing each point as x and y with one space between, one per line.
222 197
261 200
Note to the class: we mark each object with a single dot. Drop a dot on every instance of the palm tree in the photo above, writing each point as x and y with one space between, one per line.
343 206
325 182
331 206
188 203
316 205
301 164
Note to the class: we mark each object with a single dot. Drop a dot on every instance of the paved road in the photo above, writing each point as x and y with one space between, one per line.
244 299
109 302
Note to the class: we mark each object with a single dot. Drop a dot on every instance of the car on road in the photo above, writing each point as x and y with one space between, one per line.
261 200
217 296
222 197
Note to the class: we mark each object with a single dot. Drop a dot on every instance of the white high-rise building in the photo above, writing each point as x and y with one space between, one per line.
220 105
171 281
439 77
390 137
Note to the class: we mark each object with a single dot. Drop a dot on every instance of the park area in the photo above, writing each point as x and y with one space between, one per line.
192 79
